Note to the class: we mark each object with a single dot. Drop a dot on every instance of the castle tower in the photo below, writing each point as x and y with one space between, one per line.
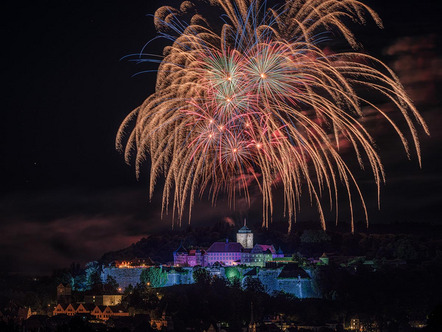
180 256
245 237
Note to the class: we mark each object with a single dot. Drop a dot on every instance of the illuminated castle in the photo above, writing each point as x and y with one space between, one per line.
242 252
224 259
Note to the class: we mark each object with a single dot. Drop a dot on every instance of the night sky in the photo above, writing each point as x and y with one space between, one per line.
66 195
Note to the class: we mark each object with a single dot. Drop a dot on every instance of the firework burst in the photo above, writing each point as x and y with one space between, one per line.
258 101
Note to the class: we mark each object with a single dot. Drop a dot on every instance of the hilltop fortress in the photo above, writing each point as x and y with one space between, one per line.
241 252
241 259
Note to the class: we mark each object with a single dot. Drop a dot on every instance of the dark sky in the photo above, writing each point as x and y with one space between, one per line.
67 195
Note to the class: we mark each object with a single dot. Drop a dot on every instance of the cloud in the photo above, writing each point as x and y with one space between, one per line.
229 221
32 247
418 66
43 231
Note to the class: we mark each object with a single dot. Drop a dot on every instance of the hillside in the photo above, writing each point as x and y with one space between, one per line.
400 241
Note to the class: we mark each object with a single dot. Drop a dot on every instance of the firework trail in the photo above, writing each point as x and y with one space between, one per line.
257 100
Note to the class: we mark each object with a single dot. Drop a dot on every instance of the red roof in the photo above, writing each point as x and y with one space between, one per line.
262 248
193 252
225 247
266 247
87 306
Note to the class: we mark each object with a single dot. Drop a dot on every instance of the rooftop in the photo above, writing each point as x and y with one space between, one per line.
180 249
245 229
291 271
225 247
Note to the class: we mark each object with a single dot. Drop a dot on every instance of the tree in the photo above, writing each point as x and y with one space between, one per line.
232 273
254 285
111 285
80 282
235 283
405 249
95 282
62 276
435 319
202 276
314 236
93 275
153 277
300 259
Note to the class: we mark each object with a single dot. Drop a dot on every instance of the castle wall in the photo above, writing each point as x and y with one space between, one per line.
268 278
124 277
183 276
299 287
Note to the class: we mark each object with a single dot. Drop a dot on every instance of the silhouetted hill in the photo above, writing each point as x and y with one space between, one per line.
160 246
403 241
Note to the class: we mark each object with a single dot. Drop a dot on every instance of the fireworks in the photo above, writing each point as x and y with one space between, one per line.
257 101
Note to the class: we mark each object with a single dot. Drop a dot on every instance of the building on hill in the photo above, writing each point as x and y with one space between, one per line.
226 253
70 310
223 259
192 257
259 255
229 253
60 309
180 256
195 257
245 237
106 300
85 308
324 260
165 323
102 312
64 292
136 262
279 253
